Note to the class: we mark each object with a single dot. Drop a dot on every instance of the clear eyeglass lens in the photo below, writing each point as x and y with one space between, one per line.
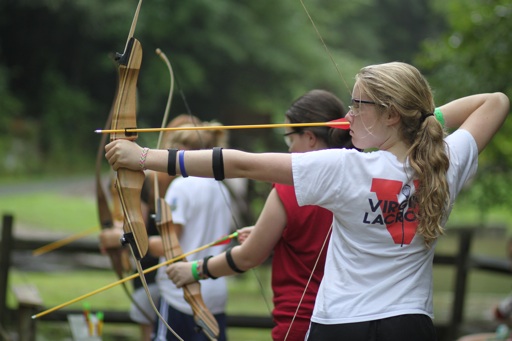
353 110
288 141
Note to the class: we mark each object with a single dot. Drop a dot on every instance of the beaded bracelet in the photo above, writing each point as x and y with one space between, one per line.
142 160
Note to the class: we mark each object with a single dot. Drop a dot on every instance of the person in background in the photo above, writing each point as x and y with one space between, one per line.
141 310
200 214
297 236
390 205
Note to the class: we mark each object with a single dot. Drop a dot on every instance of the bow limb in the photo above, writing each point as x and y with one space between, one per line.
203 318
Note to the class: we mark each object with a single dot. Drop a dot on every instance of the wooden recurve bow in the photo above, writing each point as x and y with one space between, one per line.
128 182
119 258
204 319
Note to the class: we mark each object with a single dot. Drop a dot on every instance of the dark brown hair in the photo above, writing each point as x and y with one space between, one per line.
320 106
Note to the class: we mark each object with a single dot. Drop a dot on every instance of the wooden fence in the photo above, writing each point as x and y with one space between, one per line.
29 303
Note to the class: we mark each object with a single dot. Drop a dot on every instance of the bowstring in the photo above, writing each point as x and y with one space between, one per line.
317 31
150 299
307 283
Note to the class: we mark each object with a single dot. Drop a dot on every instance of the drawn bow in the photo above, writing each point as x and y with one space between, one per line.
119 258
129 183
204 319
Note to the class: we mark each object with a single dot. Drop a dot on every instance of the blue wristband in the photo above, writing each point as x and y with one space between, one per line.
182 163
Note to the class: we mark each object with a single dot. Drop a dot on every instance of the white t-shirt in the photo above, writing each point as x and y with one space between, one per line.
376 265
202 206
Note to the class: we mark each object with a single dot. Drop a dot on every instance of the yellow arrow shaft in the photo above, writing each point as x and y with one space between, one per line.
250 126
111 285
59 243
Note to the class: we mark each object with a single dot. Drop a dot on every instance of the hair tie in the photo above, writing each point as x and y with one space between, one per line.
424 116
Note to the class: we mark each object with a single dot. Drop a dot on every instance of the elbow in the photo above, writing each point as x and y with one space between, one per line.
502 105
503 102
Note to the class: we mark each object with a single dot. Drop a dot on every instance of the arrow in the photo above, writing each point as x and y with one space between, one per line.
59 243
341 123
219 241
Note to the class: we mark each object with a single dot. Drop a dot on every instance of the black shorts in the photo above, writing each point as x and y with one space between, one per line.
417 327
183 324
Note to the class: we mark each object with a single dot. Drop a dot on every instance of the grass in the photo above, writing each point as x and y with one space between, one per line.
46 208
245 298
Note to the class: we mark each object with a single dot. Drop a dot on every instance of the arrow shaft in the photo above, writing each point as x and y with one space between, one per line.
153 268
230 127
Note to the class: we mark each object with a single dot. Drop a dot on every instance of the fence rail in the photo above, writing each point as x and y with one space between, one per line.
462 260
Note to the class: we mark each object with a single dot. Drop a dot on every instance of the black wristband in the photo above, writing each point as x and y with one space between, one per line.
171 161
205 268
218 164
231 263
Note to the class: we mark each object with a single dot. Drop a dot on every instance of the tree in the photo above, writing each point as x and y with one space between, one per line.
474 56
237 62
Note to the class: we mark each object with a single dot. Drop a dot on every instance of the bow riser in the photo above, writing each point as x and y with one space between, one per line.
119 258
129 183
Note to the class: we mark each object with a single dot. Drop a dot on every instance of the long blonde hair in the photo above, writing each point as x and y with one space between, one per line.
400 88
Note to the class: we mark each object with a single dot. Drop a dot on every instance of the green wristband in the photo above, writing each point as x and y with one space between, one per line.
195 274
439 116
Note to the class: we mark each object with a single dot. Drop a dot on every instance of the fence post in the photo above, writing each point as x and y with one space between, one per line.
462 269
28 304
5 262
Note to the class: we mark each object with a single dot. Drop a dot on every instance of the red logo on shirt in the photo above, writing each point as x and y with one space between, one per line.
399 217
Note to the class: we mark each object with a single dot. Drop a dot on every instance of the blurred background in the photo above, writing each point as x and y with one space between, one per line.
237 62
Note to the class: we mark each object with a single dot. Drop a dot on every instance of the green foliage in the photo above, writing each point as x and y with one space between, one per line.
237 62
489 190
474 55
